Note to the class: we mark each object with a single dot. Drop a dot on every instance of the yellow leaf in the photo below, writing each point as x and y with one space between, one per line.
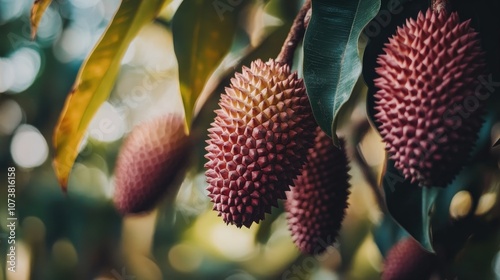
37 11
95 80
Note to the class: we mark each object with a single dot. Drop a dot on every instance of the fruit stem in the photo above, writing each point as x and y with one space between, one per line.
360 130
441 5
294 36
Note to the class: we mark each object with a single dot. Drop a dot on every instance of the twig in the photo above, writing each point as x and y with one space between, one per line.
294 36
441 5
360 131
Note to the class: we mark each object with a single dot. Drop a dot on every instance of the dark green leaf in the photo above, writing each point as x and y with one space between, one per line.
409 204
332 62
203 32
388 233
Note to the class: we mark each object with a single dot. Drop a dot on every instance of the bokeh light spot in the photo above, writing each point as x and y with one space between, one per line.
64 253
185 258
73 44
6 74
26 63
11 116
28 147
232 242
107 125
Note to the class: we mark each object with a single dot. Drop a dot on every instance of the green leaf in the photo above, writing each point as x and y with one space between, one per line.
203 32
410 205
37 10
387 234
268 48
96 79
332 62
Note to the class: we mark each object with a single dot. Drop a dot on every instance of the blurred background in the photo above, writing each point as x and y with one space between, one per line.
79 235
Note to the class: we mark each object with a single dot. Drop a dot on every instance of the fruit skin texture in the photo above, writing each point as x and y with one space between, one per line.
150 159
316 205
258 142
407 260
427 109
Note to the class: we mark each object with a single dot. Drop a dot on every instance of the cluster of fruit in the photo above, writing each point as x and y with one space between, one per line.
264 144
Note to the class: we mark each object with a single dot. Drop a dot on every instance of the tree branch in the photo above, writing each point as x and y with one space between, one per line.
360 131
294 37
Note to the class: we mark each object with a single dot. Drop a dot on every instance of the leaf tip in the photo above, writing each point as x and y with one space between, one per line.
62 174
496 144
37 10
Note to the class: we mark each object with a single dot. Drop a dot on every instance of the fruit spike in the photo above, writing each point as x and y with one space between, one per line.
427 111
258 141
407 260
151 158
316 205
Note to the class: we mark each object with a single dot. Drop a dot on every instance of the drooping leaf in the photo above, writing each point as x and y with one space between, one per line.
96 79
203 32
37 10
453 234
332 62
387 234
410 205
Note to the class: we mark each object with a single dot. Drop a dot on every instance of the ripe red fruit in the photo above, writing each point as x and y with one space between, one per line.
316 205
427 109
258 141
407 260
150 159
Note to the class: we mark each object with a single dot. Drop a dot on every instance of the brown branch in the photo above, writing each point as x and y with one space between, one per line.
360 131
294 37
441 6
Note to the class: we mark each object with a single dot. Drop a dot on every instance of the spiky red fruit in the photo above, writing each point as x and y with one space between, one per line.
258 141
316 205
427 109
150 159
407 260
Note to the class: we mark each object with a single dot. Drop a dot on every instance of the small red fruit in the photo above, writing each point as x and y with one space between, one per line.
427 109
316 205
150 159
408 260
258 141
